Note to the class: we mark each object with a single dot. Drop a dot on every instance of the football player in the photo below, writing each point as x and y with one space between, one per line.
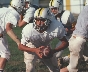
28 13
66 18
77 42
39 34
8 19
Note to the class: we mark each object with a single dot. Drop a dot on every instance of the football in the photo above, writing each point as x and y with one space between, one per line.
45 51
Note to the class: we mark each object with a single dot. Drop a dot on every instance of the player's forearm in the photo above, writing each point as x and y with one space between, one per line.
13 36
20 21
11 33
61 47
25 48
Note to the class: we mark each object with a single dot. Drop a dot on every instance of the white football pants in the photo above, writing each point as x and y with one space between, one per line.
4 51
76 46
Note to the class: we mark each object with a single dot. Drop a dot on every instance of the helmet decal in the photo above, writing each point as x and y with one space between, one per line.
52 1
42 14
41 11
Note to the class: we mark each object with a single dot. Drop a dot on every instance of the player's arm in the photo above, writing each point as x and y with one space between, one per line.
11 33
72 29
29 49
21 22
64 44
20 46
27 17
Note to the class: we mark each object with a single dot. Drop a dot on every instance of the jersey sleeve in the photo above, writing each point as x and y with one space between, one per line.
67 18
25 35
29 14
10 18
71 18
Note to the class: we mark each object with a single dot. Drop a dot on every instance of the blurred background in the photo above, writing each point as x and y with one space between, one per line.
75 6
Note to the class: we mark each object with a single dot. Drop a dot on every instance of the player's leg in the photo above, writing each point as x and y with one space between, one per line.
76 45
4 54
52 64
2 63
30 59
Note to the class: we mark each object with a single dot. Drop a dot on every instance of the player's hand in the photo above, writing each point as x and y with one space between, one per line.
50 55
38 52
47 52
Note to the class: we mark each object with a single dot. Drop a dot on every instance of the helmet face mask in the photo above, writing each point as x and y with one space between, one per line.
54 10
56 4
41 21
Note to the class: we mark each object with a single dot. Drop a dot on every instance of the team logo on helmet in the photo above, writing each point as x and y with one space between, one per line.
42 14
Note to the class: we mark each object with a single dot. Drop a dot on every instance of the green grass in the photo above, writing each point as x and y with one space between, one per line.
16 62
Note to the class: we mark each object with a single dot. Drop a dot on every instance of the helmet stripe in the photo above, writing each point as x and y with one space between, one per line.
41 11
52 2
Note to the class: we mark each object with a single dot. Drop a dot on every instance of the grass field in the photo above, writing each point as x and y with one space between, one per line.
16 64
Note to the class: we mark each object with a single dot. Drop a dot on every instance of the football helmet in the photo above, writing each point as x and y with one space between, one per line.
42 14
56 4
28 2
18 4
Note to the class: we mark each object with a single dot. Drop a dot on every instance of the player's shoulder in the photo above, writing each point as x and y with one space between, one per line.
27 29
13 13
67 13
28 26
55 24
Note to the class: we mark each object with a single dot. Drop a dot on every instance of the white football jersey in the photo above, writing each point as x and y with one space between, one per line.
29 34
29 14
8 15
67 18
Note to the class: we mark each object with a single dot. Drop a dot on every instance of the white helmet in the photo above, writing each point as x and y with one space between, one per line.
86 3
30 1
18 4
42 13
56 3
27 0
